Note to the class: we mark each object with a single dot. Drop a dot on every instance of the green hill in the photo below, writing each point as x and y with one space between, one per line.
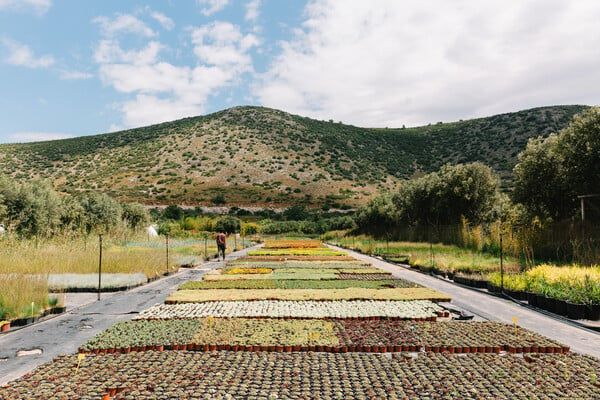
256 155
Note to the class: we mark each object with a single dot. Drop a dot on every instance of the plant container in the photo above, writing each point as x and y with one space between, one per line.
561 307
592 312
576 311
540 301
531 299
550 304
5 327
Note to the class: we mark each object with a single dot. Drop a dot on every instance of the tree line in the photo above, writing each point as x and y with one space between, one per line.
36 209
549 177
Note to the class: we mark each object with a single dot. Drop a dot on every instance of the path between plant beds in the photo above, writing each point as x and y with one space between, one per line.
65 333
493 308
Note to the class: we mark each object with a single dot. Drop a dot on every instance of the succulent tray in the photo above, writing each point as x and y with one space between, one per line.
270 376
296 284
305 258
348 294
293 243
367 309
205 334
322 251
246 263
282 276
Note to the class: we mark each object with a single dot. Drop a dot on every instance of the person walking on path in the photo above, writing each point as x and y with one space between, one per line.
221 245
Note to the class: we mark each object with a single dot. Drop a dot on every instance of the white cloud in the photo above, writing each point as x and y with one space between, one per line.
123 23
162 19
222 43
35 137
143 110
163 91
212 6
252 10
40 7
70 75
110 51
388 63
21 55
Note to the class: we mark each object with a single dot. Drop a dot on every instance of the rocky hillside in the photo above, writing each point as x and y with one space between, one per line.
255 155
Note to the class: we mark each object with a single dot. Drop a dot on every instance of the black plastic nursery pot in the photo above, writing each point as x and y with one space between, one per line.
530 298
576 311
550 304
540 301
592 312
561 307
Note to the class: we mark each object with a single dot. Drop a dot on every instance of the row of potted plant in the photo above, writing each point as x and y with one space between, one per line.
295 284
293 243
326 376
460 337
318 335
294 251
418 309
248 263
347 294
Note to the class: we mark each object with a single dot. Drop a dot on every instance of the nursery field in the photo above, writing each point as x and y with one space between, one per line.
270 331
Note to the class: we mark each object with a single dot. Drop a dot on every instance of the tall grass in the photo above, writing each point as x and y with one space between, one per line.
17 292
443 257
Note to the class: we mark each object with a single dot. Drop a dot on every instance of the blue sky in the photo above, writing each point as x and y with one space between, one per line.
72 67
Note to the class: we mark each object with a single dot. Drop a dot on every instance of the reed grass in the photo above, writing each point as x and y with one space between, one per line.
18 292
444 257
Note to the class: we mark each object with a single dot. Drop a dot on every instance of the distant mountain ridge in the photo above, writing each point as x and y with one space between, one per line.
257 156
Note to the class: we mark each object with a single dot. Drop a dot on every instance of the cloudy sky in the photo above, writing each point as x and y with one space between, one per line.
72 67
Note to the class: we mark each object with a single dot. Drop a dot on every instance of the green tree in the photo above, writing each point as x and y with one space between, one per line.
135 215
102 213
173 212
228 225
551 173
538 184
72 216
377 217
444 197
296 213
32 208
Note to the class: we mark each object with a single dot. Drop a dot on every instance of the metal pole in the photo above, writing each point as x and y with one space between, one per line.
167 237
100 267
205 248
501 266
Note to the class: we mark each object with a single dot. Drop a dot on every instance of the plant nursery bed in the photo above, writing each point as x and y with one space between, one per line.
321 251
89 282
242 334
282 276
348 294
295 284
244 262
367 309
300 258
266 375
